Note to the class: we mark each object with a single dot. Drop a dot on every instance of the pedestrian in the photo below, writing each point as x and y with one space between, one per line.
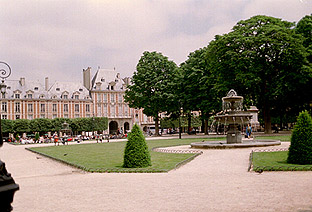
248 131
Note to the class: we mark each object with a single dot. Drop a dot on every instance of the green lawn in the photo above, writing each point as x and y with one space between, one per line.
277 137
108 157
275 161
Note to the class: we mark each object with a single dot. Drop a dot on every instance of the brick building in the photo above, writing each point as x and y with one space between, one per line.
101 96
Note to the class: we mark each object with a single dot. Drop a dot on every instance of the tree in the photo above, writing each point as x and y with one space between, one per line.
152 86
304 27
197 89
21 126
300 150
7 125
136 152
264 60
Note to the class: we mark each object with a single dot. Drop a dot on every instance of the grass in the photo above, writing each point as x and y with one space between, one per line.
108 157
275 161
277 137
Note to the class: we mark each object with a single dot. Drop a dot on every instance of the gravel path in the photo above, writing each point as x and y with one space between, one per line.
217 180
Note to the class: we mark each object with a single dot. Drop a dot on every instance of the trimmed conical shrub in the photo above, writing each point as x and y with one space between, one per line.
136 151
300 150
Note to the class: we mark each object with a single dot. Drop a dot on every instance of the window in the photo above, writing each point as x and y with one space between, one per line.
65 107
30 108
105 109
76 107
76 96
29 96
65 96
42 116
119 98
99 97
57 89
54 116
119 110
105 97
87 108
17 117
112 98
54 108
113 111
30 117
3 95
80 89
66 116
42 108
126 110
4 106
17 107
17 95
4 117
112 88
99 109
36 88
76 115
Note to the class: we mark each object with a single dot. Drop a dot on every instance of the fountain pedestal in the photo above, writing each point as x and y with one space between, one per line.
233 135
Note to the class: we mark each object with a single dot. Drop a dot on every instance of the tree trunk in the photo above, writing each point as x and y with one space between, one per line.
189 123
267 120
157 125
206 127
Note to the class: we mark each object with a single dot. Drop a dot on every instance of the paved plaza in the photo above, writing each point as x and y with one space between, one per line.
217 180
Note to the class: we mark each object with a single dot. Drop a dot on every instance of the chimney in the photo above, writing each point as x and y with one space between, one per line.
22 81
46 83
87 78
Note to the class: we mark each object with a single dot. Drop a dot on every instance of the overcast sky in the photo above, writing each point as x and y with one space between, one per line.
58 39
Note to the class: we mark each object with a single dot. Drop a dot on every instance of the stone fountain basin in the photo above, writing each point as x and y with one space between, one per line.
245 144
242 118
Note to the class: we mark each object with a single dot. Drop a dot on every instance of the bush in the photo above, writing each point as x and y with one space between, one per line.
300 150
136 152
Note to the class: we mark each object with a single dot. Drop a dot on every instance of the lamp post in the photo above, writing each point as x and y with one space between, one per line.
7 184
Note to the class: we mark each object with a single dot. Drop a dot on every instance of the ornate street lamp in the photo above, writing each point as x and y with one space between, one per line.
7 184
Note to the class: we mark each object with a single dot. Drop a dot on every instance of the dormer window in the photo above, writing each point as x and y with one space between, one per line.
76 96
29 96
65 96
112 88
57 89
80 89
17 96
36 88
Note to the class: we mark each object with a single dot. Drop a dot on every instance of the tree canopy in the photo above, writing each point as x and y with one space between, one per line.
264 60
152 86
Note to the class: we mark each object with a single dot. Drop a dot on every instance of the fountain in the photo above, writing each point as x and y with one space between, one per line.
235 118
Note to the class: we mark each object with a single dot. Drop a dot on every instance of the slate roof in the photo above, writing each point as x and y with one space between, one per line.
37 89
106 78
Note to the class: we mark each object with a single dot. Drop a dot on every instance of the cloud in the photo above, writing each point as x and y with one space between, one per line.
60 38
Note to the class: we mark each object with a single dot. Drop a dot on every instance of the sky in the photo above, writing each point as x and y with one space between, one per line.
58 39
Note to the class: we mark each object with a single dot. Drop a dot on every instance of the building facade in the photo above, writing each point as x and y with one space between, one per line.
101 96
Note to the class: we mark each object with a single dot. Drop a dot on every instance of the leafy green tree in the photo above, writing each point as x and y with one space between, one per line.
136 152
264 60
21 126
304 27
300 150
197 86
7 126
153 86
